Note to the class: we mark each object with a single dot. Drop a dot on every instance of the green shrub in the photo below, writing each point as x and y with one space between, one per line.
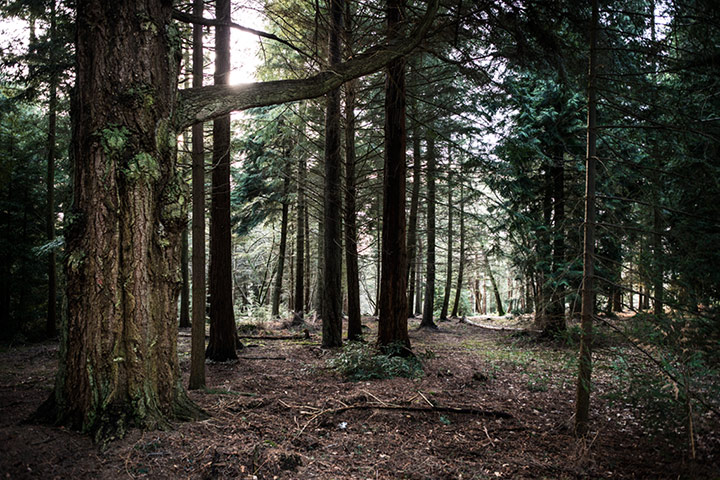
359 361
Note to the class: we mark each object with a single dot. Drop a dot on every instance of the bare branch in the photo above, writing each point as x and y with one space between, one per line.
211 22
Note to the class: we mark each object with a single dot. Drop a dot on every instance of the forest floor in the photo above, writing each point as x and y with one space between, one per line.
280 412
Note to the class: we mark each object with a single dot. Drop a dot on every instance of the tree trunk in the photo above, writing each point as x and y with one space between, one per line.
392 327
461 267
332 277
429 306
298 307
199 293
184 275
496 292
555 312
582 397
351 254
412 220
448 269
418 277
51 319
280 270
223 335
118 352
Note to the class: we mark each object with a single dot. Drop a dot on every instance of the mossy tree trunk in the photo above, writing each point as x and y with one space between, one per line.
119 363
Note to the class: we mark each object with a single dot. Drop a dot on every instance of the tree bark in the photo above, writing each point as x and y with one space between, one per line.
298 314
448 269
184 275
223 336
427 316
392 327
582 396
199 294
461 267
280 270
351 254
118 354
412 220
493 283
332 277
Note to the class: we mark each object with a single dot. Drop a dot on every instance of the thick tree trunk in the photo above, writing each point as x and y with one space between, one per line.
582 396
199 293
412 220
280 270
427 316
118 357
51 319
223 336
448 269
351 254
332 277
461 267
392 327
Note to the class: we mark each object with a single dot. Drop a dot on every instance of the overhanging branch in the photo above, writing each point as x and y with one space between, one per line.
203 104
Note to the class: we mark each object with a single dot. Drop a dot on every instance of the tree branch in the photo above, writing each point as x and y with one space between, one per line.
205 103
211 22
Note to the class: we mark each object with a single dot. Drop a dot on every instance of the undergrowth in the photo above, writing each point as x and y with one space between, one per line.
360 361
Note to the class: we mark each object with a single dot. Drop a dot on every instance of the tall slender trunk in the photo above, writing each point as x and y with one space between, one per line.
51 319
448 269
582 397
555 312
418 277
280 270
223 336
332 277
185 278
393 311
298 307
308 258
493 283
412 220
461 267
351 254
427 317
199 294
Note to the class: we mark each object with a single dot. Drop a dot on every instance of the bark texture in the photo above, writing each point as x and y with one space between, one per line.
223 341
118 358
392 327
429 305
332 278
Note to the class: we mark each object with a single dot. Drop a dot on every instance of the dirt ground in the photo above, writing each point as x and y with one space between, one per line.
280 413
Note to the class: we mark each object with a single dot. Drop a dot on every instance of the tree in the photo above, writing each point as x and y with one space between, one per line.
332 276
429 306
223 337
199 294
392 327
448 268
118 361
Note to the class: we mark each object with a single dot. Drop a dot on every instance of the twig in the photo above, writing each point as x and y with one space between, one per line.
425 398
